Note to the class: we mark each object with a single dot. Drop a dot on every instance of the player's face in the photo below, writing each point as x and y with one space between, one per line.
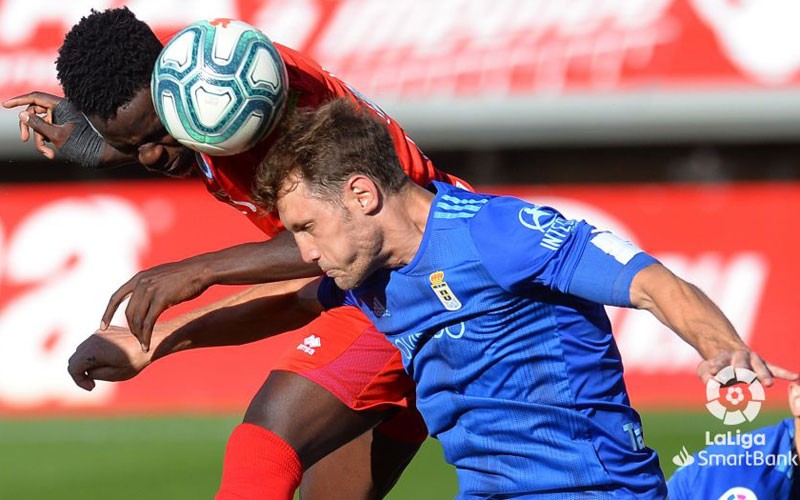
137 131
343 243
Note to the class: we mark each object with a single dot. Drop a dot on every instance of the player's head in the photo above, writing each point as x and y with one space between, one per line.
329 176
104 67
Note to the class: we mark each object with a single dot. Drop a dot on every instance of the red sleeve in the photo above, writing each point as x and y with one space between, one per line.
313 86
229 178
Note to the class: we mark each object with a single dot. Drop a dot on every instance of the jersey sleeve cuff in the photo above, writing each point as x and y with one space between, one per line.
621 293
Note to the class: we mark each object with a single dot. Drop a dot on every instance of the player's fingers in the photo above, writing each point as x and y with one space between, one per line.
39 110
40 142
38 124
77 370
20 100
149 322
24 130
38 98
783 373
136 312
712 366
115 301
706 370
107 373
42 130
757 365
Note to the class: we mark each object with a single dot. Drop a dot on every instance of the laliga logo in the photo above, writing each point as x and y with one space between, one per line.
739 493
730 413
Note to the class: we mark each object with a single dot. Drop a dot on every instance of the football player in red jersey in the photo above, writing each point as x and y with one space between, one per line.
313 410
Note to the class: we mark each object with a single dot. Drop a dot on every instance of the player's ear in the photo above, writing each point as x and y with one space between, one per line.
794 398
363 193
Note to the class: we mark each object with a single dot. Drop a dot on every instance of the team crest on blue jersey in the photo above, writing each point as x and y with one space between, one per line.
443 292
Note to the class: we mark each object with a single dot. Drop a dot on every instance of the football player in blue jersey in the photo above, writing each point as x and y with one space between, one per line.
765 465
497 307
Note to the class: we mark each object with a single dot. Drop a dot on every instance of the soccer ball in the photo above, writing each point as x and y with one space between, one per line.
219 86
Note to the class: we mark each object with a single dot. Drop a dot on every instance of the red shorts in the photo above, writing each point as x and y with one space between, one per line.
344 353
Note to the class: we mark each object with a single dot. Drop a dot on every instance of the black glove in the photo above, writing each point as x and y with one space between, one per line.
83 146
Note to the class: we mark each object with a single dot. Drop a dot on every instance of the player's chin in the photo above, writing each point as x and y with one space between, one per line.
346 281
343 282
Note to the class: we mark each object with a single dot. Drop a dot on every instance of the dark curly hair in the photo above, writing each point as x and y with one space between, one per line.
105 60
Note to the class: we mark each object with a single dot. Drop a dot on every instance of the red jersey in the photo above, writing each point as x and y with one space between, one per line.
230 178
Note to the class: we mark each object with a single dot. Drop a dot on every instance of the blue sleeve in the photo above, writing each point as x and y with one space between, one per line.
330 295
524 246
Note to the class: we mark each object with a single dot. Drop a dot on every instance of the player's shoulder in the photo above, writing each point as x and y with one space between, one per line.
509 215
292 57
491 214
452 199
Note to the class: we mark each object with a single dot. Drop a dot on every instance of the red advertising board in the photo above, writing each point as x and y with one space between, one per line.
65 247
420 49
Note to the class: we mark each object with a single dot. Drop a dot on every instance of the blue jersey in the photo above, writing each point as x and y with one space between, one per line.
758 467
517 373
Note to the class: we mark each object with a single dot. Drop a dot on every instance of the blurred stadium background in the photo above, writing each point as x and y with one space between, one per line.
673 122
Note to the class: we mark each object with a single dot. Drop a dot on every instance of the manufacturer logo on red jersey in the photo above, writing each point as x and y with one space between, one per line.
205 165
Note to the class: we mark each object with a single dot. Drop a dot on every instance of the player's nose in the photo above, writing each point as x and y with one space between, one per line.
152 155
308 252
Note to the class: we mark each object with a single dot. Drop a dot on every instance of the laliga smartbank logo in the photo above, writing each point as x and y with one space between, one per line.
735 396
738 405
732 404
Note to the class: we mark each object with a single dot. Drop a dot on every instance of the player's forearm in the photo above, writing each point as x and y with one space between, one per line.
255 314
263 262
686 310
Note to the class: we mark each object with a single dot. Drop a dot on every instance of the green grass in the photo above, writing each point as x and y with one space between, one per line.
180 457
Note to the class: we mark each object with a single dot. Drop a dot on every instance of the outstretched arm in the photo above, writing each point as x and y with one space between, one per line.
155 290
686 310
257 313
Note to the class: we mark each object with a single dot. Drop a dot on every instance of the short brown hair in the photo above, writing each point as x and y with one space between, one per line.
326 146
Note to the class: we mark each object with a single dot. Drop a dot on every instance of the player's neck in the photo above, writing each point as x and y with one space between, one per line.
404 224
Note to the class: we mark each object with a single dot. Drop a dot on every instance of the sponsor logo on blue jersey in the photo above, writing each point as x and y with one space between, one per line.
554 227
407 344
536 219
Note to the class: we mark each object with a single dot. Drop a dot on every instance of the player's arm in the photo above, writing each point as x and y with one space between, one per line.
574 258
155 290
687 311
254 314
52 119
607 269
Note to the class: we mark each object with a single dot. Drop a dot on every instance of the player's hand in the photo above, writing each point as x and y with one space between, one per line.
152 292
111 355
744 358
37 120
